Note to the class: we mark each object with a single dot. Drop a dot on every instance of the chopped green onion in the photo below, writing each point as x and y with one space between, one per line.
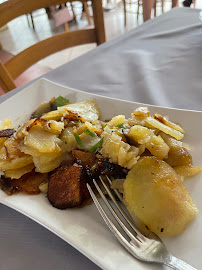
95 147
45 144
122 125
61 101
105 125
76 123
90 133
78 139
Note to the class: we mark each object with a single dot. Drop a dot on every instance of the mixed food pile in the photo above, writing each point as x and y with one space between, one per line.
64 146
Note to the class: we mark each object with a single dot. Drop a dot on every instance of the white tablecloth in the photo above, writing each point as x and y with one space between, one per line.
158 63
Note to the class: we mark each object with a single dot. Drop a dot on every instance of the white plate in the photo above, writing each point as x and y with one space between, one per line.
84 228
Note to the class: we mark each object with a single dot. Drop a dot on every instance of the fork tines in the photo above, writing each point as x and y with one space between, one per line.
136 239
150 249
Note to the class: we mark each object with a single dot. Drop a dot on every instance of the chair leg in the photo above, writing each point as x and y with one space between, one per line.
66 27
124 11
98 21
87 13
72 7
138 10
6 81
28 20
162 5
155 8
32 21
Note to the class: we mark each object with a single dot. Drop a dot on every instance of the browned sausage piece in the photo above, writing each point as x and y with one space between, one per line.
65 187
29 182
84 158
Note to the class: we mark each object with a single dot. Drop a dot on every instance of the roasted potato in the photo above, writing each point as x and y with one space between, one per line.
156 195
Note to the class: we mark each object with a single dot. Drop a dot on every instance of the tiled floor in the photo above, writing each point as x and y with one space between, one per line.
19 35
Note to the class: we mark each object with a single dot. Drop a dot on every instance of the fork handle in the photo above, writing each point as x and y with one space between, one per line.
178 264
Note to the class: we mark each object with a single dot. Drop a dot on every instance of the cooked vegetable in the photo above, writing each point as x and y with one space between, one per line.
78 139
122 125
156 195
71 144
90 133
61 101
95 147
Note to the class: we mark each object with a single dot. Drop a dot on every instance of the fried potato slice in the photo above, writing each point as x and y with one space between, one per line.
41 140
16 163
10 149
17 173
179 158
43 167
88 109
187 170
154 193
166 129
68 139
140 134
53 115
51 125
140 113
168 123
118 151
116 120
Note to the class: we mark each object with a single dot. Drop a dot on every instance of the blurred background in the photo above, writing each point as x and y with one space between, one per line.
26 30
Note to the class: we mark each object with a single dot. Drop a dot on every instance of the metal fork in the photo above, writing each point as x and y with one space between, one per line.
146 249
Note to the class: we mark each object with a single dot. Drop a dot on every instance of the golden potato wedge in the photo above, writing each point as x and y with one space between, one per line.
41 140
17 173
154 192
179 158
87 109
166 129
168 123
187 170
118 151
139 134
18 162
141 113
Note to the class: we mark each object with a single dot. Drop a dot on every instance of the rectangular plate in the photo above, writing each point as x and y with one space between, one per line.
84 228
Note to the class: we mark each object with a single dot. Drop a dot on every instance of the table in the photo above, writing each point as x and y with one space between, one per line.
158 63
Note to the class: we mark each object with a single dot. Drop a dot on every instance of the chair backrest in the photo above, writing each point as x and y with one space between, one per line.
20 62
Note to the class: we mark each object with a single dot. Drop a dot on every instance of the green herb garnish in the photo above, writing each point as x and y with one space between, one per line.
76 123
90 133
95 147
78 139
45 144
122 125
65 142
61 101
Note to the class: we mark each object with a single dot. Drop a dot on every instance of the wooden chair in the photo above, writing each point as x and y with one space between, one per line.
22 61
139 3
